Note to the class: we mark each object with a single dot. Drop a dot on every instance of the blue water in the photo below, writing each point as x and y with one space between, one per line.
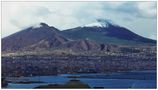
46 79
146 79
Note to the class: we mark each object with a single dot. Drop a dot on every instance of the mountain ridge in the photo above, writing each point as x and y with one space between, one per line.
47 37
110 29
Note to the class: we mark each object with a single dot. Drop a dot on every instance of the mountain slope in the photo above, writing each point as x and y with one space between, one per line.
82 45
107 32
32 36
44 37
100 36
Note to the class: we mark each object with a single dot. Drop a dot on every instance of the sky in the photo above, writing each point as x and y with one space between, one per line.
139 17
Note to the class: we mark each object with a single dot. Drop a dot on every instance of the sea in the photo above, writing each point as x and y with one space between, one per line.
120 80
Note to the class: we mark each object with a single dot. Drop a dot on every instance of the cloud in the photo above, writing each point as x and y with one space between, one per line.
137 9
42 11
147 9
63 15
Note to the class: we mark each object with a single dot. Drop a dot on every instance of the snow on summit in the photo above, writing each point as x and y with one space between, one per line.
37 25
93 24
101 23
40 25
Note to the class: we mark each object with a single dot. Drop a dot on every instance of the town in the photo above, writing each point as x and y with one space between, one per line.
42 65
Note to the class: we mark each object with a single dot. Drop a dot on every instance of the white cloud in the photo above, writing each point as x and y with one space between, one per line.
147 9
63 15
115 4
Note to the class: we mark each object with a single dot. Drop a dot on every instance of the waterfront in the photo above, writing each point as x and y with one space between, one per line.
135 79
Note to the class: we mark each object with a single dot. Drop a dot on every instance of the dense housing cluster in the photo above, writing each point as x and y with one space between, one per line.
34 65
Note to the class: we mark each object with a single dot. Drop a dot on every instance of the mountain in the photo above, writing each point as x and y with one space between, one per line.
82 45
105 23
89 45
105 31
102 35
44 37
37 35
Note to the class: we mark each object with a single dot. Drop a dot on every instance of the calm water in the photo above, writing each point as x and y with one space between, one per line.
141 79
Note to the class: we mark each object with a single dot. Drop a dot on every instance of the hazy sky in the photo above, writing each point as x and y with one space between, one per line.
139 17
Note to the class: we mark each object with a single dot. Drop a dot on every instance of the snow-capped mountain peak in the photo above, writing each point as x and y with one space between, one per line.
93 24
106 22
39 25
101 23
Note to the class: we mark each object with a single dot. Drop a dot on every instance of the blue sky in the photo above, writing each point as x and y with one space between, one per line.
139 17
